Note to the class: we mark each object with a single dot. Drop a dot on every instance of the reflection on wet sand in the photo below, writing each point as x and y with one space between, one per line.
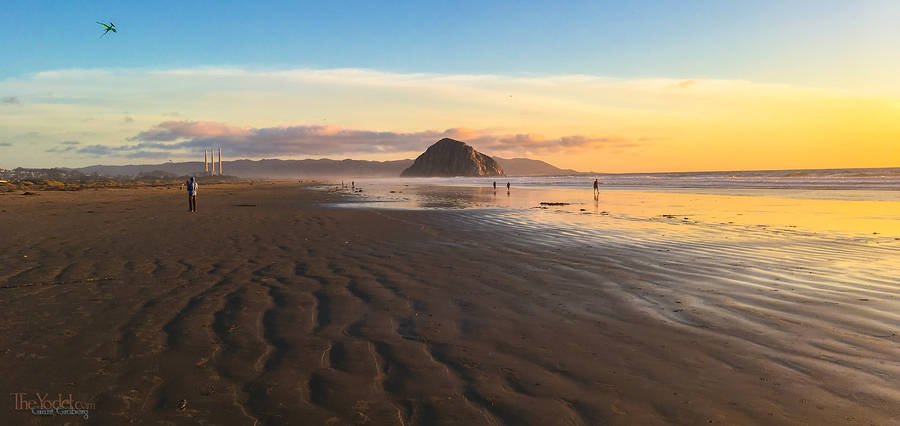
802 285
863 213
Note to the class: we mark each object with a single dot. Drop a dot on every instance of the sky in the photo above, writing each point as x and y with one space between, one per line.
593 86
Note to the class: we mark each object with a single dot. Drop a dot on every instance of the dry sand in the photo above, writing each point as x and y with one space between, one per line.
266 307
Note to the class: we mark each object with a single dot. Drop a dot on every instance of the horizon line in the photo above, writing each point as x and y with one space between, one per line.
513 158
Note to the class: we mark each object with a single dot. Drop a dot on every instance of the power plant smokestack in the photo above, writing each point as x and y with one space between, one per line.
220 161
205 164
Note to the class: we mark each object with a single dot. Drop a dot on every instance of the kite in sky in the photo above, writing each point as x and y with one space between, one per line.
110 27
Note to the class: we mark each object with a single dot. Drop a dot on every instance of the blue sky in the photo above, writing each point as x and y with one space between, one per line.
786 42
606 86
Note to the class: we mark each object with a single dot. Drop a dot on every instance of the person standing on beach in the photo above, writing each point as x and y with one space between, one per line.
507 186
596 186
192 194
495 186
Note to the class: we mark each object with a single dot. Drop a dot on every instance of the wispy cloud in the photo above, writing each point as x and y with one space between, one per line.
64 146
11 100
5 144
99 150
121 151
173 130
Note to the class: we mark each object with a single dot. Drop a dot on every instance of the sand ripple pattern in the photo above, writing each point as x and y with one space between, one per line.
290 313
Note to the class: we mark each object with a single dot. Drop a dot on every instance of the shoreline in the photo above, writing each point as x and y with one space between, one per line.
269 306
859 215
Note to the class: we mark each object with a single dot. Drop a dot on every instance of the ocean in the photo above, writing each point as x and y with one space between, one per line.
839 202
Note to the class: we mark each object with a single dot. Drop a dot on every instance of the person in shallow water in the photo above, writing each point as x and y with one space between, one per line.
192 194
507 186
495 186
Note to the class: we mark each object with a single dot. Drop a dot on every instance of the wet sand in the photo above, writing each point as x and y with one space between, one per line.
268 306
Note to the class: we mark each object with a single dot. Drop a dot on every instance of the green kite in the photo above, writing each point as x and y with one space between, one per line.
110 27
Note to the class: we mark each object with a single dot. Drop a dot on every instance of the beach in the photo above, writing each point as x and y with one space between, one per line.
279 303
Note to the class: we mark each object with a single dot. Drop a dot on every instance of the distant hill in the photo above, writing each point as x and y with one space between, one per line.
274 169
450 157
529 167
178 169
292 169
315 168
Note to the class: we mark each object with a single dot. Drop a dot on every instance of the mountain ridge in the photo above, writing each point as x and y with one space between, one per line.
528 167
322 167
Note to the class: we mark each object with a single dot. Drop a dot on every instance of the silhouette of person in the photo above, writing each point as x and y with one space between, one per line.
192 194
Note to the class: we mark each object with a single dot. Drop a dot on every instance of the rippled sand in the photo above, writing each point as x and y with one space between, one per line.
270 306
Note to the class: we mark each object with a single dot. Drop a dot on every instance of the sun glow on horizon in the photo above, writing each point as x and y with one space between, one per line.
582 122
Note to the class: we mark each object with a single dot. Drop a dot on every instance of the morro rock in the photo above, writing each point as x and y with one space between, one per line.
450 157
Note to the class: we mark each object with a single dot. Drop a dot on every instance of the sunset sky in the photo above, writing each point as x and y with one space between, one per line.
594 86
